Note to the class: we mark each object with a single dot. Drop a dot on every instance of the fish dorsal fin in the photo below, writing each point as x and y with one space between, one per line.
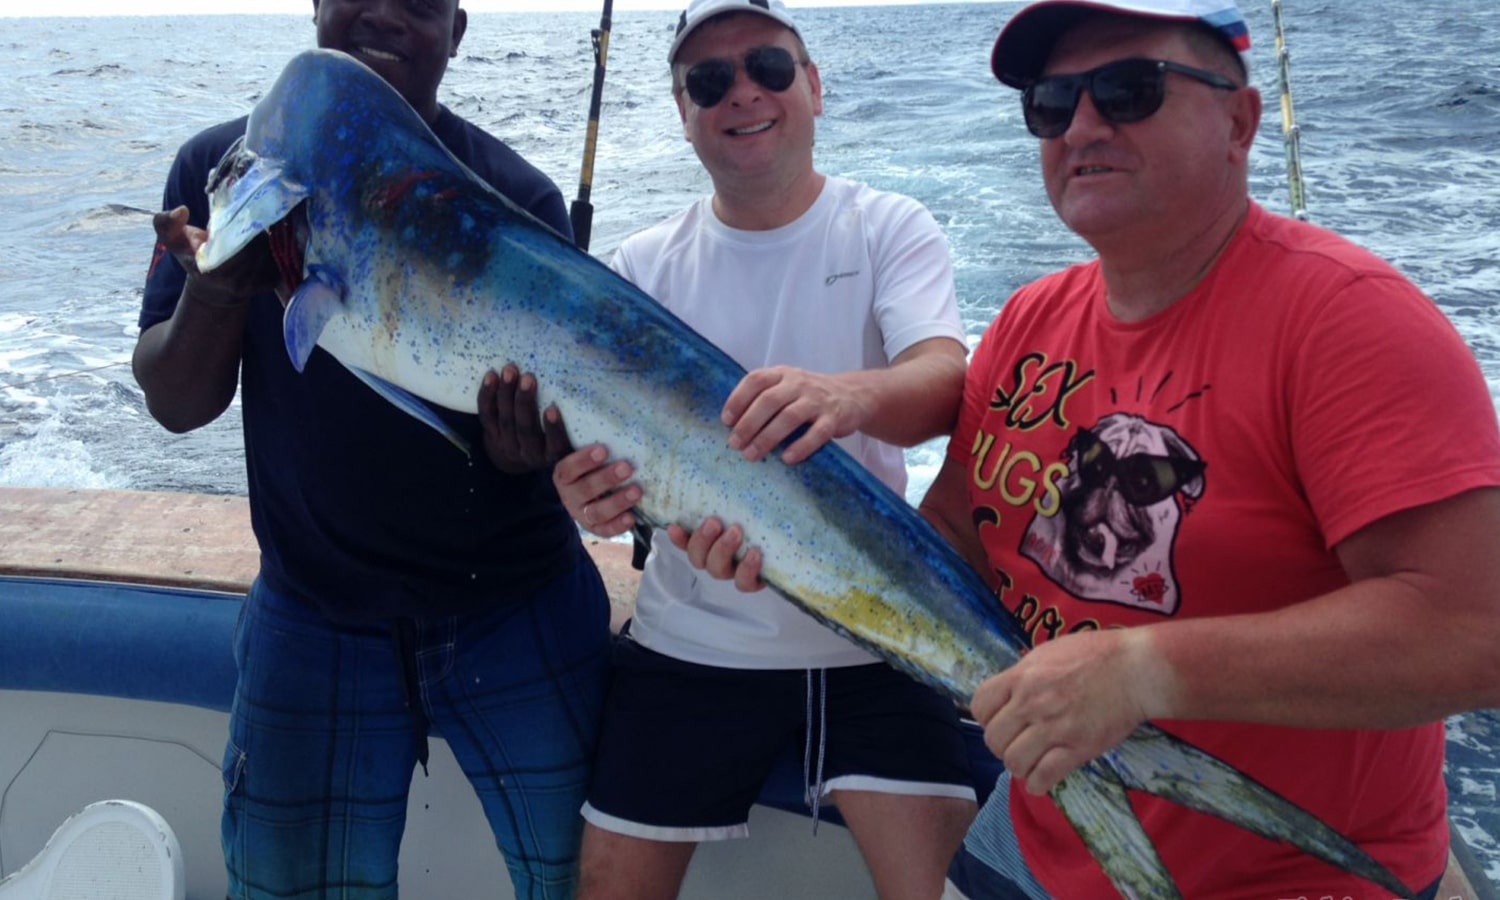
319 298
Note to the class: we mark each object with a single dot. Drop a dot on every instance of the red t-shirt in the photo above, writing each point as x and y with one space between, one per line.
1204 462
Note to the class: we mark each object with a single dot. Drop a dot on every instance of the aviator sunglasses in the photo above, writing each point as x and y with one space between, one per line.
708 82
1124 91
1143 479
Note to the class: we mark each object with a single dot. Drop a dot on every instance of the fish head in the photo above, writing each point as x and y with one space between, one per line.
247 194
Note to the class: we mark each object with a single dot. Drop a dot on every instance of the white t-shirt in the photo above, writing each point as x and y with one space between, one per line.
856 280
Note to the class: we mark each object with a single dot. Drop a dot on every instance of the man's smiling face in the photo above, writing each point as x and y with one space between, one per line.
753 131
407 42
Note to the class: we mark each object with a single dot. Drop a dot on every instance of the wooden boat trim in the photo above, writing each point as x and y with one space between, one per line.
177 540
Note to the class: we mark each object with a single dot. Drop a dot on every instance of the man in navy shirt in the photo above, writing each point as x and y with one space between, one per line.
403 588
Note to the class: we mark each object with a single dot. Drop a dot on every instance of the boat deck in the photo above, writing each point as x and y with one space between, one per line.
204 542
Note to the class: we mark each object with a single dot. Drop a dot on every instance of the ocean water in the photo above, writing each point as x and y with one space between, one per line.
1398 105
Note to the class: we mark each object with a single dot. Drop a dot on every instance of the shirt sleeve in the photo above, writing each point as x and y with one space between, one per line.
1389 407
915 298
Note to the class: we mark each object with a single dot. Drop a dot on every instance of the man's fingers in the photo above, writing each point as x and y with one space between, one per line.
555 434
576 465
610 515
527 421
719 558
747 573
702 541
169 224
177 237
610 505
489 387
512 430
817 433
1053 766
712 548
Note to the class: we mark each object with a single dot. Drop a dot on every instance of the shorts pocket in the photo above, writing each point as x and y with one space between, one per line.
233 767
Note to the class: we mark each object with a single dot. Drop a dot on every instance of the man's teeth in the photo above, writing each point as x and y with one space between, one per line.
753 129
379 54
1093 170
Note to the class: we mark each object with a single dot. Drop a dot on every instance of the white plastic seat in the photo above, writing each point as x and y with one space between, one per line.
112 850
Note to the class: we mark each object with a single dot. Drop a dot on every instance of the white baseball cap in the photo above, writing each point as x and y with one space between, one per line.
700 11
1026 41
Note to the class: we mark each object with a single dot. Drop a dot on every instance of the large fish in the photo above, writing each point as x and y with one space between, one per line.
420 279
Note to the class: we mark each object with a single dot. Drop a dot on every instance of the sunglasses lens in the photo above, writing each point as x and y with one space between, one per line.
1128 91
1142 479
1049 103
1122 92
1147 480
771 67
708 81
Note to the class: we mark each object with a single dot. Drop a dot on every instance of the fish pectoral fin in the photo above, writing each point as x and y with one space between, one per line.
1161 764
319 298
413 406
1095 803
247 195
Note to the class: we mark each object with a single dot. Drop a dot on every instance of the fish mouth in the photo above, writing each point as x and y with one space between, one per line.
747 130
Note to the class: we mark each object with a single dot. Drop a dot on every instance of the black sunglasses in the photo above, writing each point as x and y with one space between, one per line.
1124 91
1143 479
773 68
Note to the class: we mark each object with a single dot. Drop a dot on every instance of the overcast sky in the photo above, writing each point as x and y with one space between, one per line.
198 7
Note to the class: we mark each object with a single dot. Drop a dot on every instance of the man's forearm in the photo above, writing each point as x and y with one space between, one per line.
188 366
917 398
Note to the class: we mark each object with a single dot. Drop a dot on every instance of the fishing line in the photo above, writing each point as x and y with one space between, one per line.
1291 134
113 207
41 378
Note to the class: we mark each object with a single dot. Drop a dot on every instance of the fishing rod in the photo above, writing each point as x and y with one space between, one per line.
581 213
1291 134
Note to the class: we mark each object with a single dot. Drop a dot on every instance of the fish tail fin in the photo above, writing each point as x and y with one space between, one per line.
1158 763
1094 801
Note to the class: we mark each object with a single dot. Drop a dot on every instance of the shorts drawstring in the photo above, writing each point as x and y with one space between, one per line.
812 787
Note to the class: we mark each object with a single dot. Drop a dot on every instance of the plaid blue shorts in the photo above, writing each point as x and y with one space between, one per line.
323 744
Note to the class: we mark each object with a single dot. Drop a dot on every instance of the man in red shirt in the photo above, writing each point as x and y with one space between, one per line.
1235 476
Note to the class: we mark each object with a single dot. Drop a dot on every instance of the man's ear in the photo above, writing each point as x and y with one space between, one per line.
1245 113
815 82
460 27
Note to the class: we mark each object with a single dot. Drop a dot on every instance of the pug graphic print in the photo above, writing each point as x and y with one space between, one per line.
1112 533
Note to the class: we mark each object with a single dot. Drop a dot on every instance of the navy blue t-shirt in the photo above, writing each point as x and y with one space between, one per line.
360 510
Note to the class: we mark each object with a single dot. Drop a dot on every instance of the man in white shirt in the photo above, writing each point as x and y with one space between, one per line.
839 299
